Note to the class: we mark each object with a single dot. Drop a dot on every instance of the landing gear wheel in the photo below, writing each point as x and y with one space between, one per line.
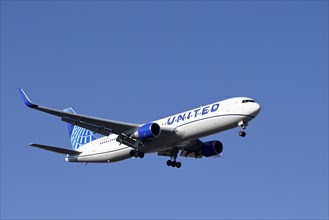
173 163
136 154
242 134
132 153
243 125
141 154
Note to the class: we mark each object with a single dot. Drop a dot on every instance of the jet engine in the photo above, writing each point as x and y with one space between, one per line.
147 131
211 148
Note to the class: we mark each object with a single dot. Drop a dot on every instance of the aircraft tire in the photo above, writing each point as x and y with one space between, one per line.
173 163
242 134
132 153
141 154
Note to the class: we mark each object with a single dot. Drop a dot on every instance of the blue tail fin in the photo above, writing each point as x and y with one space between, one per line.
79 136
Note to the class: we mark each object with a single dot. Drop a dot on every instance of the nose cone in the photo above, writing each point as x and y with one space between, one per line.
255 109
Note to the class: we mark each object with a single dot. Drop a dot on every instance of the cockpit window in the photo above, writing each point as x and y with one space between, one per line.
247 100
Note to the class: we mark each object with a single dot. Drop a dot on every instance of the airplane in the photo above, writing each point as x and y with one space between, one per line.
173 136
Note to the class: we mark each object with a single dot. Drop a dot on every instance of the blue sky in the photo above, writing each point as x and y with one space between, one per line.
137 61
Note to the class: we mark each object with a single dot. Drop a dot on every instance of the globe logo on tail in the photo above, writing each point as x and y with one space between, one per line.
81 136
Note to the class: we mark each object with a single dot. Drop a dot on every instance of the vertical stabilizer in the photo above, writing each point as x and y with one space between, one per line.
79 136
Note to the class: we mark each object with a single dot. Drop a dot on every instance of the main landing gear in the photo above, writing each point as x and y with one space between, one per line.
172 162
243 125
134 153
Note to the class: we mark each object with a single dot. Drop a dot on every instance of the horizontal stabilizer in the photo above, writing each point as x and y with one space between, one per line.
56 149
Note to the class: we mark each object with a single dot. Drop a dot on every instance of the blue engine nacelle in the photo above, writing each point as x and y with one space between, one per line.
211 148
147 131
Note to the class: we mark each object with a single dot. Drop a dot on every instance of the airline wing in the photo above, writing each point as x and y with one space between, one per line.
97 125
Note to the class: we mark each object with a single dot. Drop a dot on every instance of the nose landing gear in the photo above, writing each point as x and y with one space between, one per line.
243 125
242 133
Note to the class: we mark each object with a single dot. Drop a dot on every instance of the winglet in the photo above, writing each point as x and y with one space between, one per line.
26 99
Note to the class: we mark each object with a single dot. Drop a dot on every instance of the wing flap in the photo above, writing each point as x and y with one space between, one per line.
96 129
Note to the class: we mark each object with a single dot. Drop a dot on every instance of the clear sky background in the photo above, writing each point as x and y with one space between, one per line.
137 61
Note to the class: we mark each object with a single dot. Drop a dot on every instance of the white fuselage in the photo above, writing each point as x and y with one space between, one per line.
189 125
